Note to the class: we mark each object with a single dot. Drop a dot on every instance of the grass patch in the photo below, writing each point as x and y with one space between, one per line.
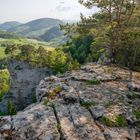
138 125
2 113
57 89
88 104
110 103
2 52
133 95
120 121
93 82
4 82
46 102
106 121
52 94
137 113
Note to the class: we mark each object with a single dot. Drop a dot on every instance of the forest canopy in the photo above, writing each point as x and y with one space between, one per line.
113 32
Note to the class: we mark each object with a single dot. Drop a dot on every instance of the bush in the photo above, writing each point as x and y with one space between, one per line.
93 82
88 104
121 121
106 121
11 108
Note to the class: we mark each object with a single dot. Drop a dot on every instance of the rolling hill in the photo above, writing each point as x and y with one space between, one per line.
51 34
44 29
36 28
8 25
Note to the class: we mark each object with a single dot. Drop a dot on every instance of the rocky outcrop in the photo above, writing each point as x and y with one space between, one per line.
24 79
91 104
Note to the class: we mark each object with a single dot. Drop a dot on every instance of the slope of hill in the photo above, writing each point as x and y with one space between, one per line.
36 28
51 34
9 35
8 25
44 29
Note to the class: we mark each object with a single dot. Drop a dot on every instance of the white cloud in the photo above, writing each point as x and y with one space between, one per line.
61 8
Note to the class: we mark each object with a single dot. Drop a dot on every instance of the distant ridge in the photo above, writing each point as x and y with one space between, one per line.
44 29
8 25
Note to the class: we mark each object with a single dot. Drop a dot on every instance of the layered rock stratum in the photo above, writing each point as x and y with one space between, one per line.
96 102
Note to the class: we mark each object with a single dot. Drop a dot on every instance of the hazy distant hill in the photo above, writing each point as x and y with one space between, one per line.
8 25
45 29
51 34
36 28
8 35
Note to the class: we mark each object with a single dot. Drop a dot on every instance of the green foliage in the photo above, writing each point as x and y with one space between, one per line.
2 53
106 121
46 102
88 104
120 121
11 108
34 100
133 95
58 89
2 114
138 125
110 103
80 47
56 59
58 127
114 33
4 82
93 82
137 113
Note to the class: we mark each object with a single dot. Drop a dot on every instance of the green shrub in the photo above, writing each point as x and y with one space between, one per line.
58 89
106 121
110 103
88 104
121 121
137 113
34 100
4 82
46 102
2 113
11 108
93 82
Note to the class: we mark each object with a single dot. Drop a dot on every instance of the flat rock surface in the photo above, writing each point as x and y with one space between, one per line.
94 103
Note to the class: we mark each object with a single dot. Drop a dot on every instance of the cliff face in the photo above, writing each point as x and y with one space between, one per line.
94 103
24 80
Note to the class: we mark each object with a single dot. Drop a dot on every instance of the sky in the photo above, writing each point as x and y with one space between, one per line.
26 10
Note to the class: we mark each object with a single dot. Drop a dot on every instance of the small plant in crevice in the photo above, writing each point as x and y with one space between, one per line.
34 99
53 93
46 102
57 89
11 108
58 127
138 125
88 104
109 104
133 95
121 121
107 121
93 82
2 113
137 114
